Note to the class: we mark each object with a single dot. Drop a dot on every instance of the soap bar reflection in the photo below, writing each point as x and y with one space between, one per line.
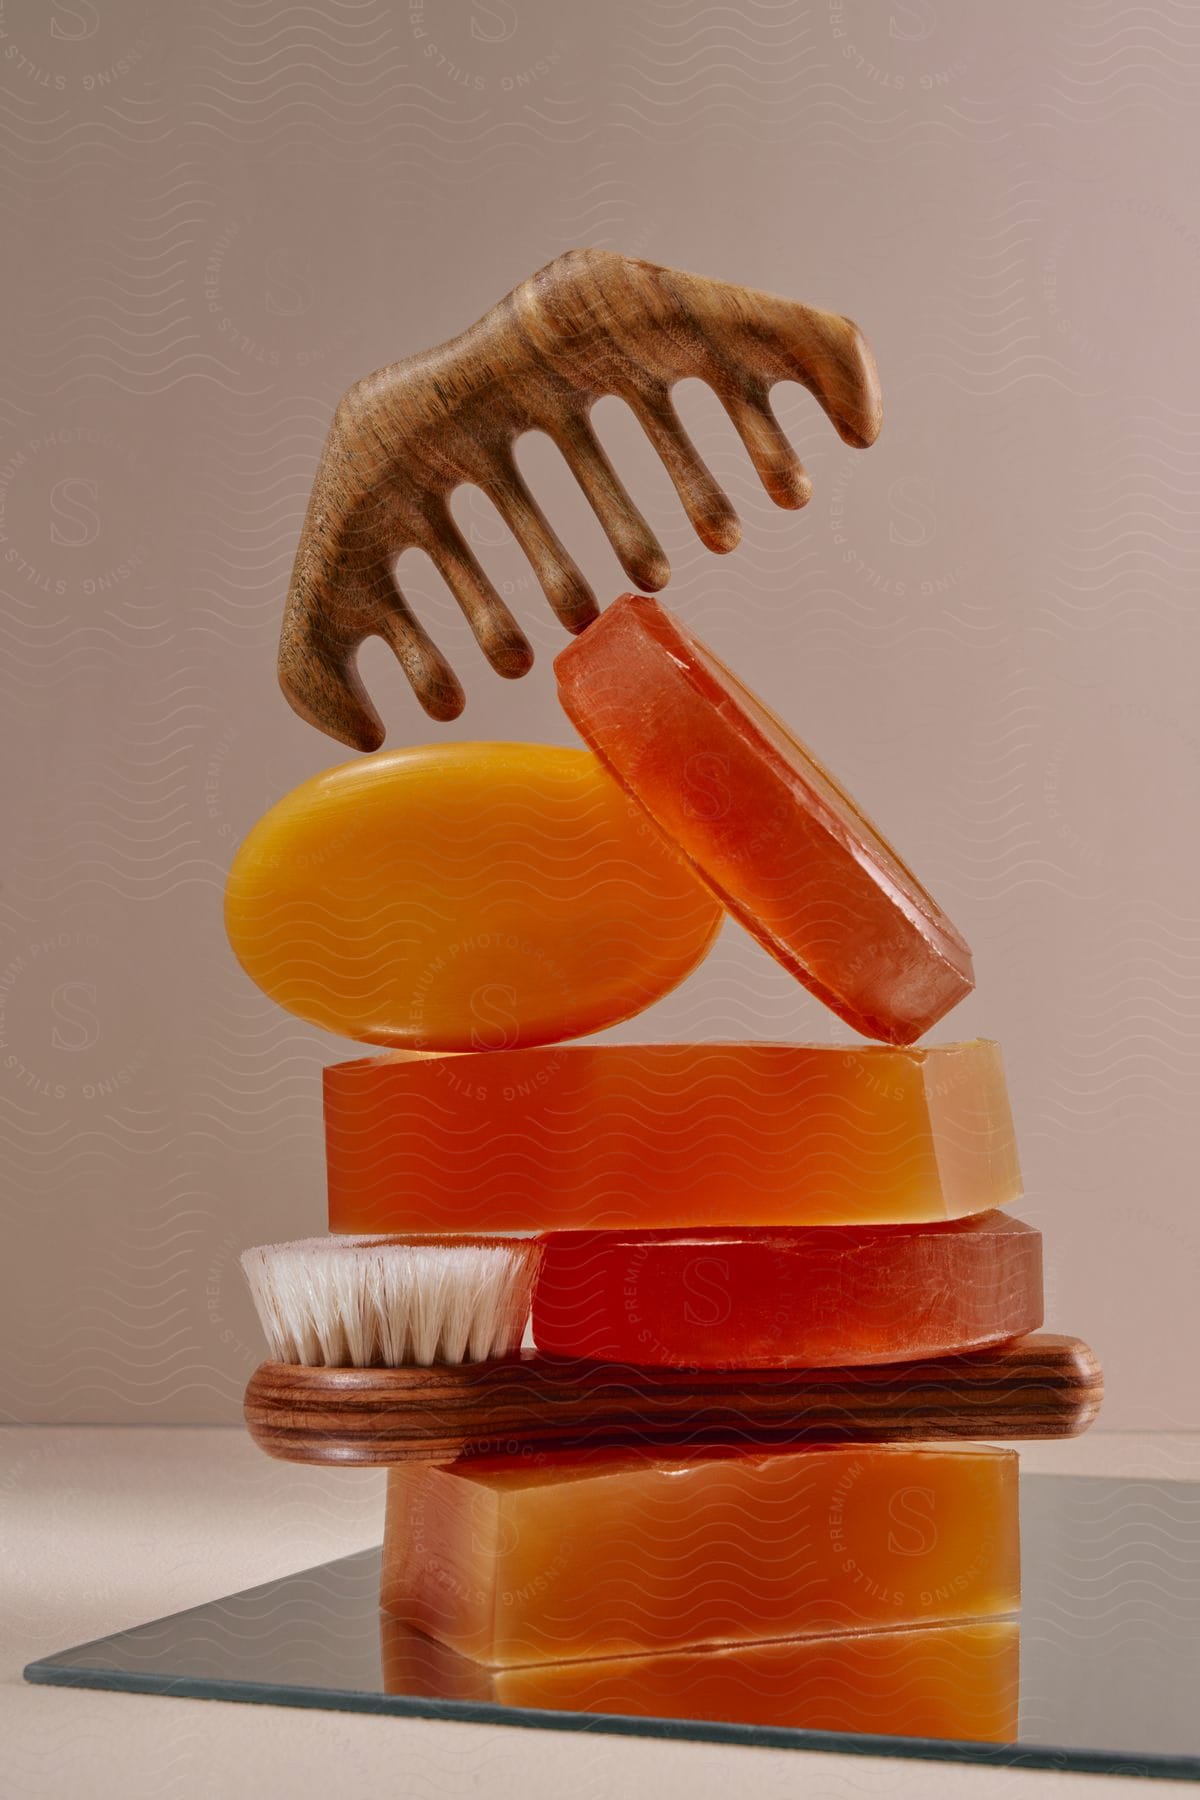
936 1681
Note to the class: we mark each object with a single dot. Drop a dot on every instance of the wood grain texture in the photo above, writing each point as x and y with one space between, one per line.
591 323
1041 1386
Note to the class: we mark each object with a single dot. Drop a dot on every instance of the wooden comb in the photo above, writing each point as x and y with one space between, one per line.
591 323
1041 1386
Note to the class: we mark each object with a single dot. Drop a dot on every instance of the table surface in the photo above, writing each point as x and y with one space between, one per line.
104 1528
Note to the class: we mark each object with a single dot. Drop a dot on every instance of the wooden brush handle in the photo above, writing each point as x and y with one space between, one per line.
1036 1387
591 323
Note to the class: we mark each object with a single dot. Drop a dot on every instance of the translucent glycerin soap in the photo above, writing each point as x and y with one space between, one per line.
523 1560
654 1136
814 1297
464 897
930 1681
774 835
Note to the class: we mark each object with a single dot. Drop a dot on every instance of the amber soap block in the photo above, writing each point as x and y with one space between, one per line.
778 840
517 1560
659 1136
932 1681
464 897
812 1297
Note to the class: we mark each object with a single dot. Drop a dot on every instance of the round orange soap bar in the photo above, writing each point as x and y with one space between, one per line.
769 830
464 897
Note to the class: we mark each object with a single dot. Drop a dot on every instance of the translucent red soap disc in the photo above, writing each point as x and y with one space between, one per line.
818 1297
770 831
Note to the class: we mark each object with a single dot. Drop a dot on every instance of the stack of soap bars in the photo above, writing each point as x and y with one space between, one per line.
773 1298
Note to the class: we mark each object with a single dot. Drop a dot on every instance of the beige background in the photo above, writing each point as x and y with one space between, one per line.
223 213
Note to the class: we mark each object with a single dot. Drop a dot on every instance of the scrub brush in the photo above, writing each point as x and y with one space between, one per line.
389 1302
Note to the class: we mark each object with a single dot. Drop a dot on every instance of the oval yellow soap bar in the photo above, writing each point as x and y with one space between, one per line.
464 897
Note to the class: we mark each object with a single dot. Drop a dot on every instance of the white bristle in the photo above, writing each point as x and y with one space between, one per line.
369 1302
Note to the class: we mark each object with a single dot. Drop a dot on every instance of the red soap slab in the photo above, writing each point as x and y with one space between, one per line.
815 1297
762 822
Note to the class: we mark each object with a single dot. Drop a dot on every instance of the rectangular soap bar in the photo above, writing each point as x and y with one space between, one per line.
658 1136
514 1560
816 1296
931 1681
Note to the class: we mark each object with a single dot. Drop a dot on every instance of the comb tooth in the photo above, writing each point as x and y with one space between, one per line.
778 467
843 377
705 502
430 675
320 679
634 544
496 631
557 572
